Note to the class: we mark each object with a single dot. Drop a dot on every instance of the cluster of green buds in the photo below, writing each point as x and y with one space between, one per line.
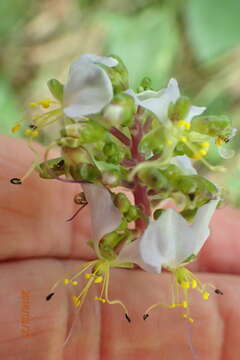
132 152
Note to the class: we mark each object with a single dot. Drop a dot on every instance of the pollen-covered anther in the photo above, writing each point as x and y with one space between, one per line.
203 152
172 306
45 103
16 128
194 284
88 276
74 283
98 280
183 139
100 299
185 316
169 142
183 123
66 281
184 304
205 295
205 145
185 284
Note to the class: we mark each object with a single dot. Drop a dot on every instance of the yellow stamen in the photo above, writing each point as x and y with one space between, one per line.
185 316
88 276
74 283
28 132
184 304
205 295
98 280
183 139
16 128
202 152
194 284
205 144
66 281
183 123
169 142
35 133
185 284
45 103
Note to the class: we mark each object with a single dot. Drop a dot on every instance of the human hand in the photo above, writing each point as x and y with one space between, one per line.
38 246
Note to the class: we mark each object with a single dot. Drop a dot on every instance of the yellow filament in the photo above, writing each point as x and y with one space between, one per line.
112 302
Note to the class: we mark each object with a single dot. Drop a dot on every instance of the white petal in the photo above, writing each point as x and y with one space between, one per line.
104 214
131 253
157 102
169 240
88 88
194 111
185 164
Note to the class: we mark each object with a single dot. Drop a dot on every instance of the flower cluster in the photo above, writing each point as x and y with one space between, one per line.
115 141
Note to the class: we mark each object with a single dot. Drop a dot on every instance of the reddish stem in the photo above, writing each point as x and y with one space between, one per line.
140 191
120 136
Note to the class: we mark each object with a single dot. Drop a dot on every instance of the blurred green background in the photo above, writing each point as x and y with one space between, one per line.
196 41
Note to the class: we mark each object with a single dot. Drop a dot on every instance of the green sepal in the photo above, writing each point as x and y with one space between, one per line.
56 88
212 125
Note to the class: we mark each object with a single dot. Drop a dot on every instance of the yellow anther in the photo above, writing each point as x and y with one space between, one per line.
219 141
202 152
103 301
197 156
183 139
96 298
184 123
66 281
185 316
172 306
205 295
169 142
184 304
88 276
98 280
194 284
74 283
28 132
15 128
45 103
205 145
185 284
35 133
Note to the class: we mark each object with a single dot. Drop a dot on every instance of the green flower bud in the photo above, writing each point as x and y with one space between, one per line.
212 125
189 214
121 111
146 84
157 213
132 214
153 178
121 202
76 156
111 178
119 76
86 172
179 110
56 89
154 140
51 168
186 184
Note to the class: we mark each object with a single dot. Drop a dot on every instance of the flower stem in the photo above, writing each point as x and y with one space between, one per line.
140 191
120 136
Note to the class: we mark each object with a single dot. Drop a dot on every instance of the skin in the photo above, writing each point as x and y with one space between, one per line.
37 246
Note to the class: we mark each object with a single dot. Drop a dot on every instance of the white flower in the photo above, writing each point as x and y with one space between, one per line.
105 216
158 101
185 164
89 87
170 240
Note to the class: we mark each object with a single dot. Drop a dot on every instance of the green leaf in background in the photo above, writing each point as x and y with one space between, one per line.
147 42
213 26
9 108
